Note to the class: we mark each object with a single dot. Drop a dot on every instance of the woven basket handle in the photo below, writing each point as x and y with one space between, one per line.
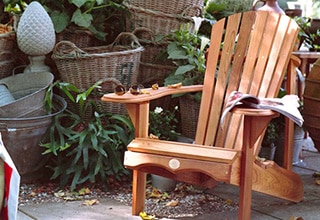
127 39
67 49
141 32
192 7
107 82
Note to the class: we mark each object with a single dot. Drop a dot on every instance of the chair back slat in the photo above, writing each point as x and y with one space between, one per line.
253 58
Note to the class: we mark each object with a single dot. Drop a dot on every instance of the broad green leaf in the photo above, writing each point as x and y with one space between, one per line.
78 3
85 155
183 69
81 19
60 20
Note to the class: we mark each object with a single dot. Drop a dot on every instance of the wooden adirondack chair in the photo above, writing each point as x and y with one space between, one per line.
253 59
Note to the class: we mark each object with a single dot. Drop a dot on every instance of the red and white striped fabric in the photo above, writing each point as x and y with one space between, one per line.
11 185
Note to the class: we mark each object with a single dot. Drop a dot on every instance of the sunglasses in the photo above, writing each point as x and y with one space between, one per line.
135 89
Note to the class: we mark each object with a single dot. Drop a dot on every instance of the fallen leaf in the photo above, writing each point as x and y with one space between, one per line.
155 194
295 218
59 194
90 202
33 194
165 195
152 136
229 201
84 191
69 198
145 216
316 174
172 203
175 86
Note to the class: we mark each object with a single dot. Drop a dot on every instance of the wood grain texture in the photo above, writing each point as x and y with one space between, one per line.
249 52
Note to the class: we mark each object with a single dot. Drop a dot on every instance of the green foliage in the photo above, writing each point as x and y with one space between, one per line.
91 15
163 124
222 8
271 134
187 51
184 51
305 36
86 148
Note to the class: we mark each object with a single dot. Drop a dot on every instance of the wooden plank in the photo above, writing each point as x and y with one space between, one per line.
147 162
227 134
225 63
182 150
209 80
138 191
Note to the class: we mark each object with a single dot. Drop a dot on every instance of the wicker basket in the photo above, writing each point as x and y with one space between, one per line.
154 51
158 22
153 73
84 67
168 6
7 37
189 112
154 66
7 44
7 64
80 38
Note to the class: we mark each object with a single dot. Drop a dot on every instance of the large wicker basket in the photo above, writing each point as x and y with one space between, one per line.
168 6
7 64
7 44
189 111
80 38
7 37
154 66
159 22
84 67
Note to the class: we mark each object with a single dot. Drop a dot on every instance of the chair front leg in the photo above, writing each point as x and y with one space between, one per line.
253 128
138 192
139 114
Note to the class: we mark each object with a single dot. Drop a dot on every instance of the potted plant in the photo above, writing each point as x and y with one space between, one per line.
223 8
86 148
187 51
158 120
309 32
279 132
99 17
268 146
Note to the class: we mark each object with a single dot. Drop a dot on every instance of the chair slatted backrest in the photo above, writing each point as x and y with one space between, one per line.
255 49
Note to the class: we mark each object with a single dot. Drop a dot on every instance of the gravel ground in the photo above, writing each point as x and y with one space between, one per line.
184 201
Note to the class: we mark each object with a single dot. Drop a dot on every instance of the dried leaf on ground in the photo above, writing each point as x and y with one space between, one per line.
172 203
156 193
295 218
59 194
145 216
90 202
84 191
316 174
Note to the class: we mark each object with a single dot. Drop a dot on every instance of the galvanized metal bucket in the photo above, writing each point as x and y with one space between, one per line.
28 91
5 95
21 137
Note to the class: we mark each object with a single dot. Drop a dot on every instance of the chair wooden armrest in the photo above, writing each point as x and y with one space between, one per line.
149 94
255 112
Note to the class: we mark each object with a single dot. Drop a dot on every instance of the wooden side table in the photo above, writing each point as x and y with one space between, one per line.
307 59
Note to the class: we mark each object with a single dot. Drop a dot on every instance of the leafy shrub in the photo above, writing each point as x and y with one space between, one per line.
163 123
86 148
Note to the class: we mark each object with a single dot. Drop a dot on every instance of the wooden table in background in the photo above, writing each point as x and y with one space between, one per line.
307 58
